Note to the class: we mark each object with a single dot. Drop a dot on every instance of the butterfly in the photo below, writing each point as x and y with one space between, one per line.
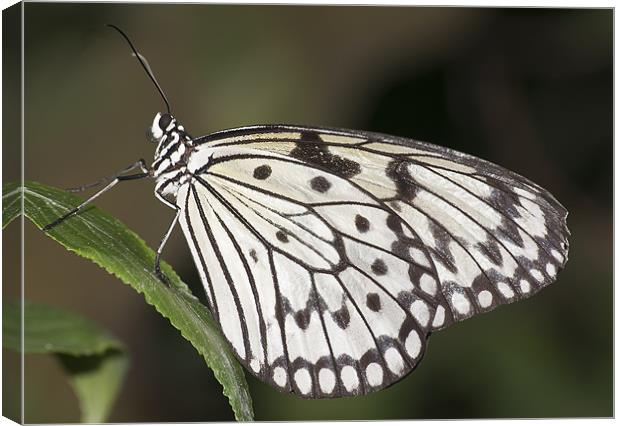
329 256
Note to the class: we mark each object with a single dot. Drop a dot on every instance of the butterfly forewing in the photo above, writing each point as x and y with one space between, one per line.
328 256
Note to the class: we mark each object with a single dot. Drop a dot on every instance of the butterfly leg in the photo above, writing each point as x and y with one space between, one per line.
160 195
162 277
140 163
110 183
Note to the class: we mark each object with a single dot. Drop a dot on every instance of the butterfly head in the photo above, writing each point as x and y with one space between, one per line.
163 123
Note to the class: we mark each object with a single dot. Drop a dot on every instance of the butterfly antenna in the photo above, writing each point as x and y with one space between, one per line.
145 65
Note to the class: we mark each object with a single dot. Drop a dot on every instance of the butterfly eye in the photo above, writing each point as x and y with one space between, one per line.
165 121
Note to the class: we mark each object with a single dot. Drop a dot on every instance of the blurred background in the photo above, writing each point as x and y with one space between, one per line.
529 89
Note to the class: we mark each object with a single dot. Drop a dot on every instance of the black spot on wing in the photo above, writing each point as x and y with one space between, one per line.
342 317
361 223
262 172
491 250
280 235
395 205
379 267
510 228
314 150
373 302
395 224
442 251
302 318
405 187
320 184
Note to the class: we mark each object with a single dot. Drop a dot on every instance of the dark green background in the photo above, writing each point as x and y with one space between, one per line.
529 89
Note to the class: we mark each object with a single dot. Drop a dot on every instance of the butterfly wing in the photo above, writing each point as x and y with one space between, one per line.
328 255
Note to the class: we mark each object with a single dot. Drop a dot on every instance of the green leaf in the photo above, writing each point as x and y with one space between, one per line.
11 203
96 380
52 330
95 361
103 239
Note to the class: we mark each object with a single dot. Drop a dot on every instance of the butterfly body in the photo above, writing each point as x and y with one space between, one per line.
328 256
174 148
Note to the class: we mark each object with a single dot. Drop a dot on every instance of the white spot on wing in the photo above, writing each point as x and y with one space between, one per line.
525 286
413 345
394 360
440 316
327 380
485 298
349 378
537 275
428 284
303 380
505 290
460 303
420 312
279 376
374 374
418 257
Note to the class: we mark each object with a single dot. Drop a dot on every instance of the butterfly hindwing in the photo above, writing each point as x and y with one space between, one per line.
328 256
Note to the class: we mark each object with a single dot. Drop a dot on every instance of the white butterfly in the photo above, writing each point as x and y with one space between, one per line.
329 256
